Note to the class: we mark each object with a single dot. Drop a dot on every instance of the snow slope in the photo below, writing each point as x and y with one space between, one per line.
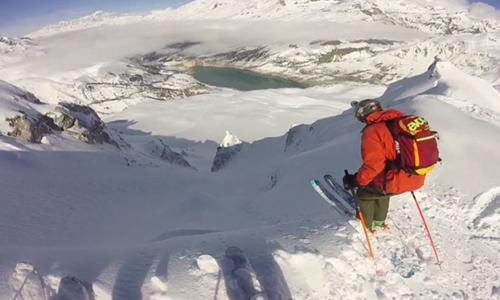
446 81
135 229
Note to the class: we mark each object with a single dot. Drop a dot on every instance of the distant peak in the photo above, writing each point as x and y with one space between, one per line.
230 140
99 14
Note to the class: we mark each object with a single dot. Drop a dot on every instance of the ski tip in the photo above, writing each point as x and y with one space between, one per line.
409 274
314 181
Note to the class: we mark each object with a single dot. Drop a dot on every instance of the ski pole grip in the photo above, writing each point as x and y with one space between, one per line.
351 189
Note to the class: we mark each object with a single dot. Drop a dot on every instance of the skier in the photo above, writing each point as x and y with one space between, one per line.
391 165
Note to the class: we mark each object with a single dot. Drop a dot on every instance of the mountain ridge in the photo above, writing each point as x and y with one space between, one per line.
452 19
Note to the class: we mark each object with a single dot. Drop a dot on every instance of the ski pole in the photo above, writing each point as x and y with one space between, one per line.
428 231
365 230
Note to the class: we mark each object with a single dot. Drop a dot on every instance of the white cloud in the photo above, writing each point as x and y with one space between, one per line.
63 51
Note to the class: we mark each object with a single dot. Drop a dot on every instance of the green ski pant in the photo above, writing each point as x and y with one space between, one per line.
373 205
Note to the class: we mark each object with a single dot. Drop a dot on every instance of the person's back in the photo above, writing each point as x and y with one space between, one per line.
377 149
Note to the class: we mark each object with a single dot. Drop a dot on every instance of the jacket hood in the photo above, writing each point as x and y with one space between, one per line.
383 115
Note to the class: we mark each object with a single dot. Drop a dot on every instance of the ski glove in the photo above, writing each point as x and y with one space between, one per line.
350 181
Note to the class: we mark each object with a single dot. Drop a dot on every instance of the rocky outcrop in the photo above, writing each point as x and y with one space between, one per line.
226 151
15 41
159 150
294 135
7 41
29 129
23 120
83 123
223 155
182 45
22 112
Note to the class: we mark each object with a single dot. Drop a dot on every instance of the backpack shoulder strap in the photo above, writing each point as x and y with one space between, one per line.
390 126
392 164
395 163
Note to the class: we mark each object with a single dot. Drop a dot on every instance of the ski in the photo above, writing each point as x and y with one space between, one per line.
331 199
71 288
27 283
240 277
336 186
344 197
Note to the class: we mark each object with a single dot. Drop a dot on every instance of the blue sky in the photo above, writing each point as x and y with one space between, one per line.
18 17
495 3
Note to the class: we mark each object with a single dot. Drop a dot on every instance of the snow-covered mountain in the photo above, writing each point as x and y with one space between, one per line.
98 18
148 56
442 17
15 49
423 15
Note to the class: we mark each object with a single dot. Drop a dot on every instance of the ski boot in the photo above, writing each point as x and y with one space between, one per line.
378 225
381 224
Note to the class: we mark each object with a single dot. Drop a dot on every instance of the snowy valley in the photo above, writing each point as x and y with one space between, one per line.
123 170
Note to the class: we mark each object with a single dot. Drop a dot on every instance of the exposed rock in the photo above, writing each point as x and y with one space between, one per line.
152 56
50 122
293 133
337 54
495 291
15 41
27 123
243 54
326 43
163 152
183 45
229 147
83 123
274 180
136 78
23 118
7 41
29 129
31 98
376 41
223 155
